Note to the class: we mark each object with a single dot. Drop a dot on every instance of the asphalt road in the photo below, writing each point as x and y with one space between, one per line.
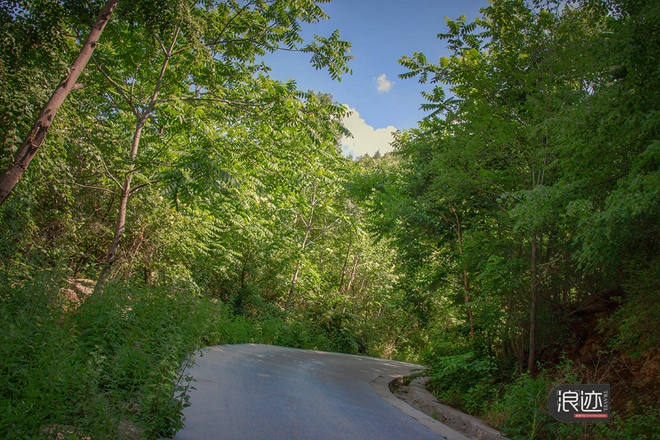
253 392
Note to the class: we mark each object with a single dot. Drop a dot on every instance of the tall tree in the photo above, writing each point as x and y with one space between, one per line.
39 130
207 57
495 141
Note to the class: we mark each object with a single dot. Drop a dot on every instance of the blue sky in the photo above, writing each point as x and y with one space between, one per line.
381 32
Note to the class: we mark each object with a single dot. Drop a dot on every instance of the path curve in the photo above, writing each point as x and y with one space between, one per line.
254 392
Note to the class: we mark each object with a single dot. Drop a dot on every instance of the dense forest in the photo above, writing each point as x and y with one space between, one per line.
183 198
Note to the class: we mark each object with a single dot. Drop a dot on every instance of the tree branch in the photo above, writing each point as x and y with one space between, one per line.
94 187
231 20
117 86
139 187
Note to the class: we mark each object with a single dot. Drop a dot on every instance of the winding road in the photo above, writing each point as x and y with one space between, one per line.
253 392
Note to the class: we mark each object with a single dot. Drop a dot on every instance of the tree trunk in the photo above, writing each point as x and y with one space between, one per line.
362 284
37 134
292 289
126 189
466 284
509 332
343 270
121 215
538 179
466 287
531 361
521 353
308 229
356 260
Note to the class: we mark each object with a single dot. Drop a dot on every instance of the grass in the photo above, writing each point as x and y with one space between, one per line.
111 368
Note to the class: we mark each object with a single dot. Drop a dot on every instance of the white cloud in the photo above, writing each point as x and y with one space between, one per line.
366 139
384 85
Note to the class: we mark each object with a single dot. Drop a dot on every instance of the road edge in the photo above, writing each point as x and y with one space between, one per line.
381 386
420 398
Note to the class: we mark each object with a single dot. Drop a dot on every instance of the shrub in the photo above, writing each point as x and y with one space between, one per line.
116 360
464 380
119 360
525 408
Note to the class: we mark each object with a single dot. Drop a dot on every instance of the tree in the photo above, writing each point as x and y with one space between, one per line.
493 142
206 55
39 130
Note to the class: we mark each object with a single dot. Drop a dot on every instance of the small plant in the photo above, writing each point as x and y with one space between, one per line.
463 380
525 408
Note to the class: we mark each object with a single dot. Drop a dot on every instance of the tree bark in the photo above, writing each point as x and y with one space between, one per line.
466 284
466 287
343 269
126 188
308 229
356 260
39 130
292 289
531 361
538 178
123 208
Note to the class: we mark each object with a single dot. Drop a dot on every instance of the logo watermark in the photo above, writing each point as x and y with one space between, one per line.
580 403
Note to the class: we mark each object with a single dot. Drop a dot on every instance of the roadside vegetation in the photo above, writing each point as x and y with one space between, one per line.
525 211
182 198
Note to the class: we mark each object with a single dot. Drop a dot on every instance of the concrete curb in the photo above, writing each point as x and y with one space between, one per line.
381 386
418 397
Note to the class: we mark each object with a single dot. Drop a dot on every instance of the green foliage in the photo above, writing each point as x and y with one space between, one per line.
28 73
136 339
115 360
638 425
120 358
465 381
532 185
239 227
525 408
536 160
523 414
37 368
635 324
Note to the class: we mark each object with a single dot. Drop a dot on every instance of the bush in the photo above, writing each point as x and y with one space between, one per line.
36 386
640 424
525 408
114 362
115 367
464 380
136 338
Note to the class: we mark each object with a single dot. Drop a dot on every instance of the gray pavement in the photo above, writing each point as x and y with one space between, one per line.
253 392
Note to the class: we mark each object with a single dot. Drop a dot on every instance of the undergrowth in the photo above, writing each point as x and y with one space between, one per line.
519 407
114 367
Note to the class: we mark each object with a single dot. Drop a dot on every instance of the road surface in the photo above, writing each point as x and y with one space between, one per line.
259 392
